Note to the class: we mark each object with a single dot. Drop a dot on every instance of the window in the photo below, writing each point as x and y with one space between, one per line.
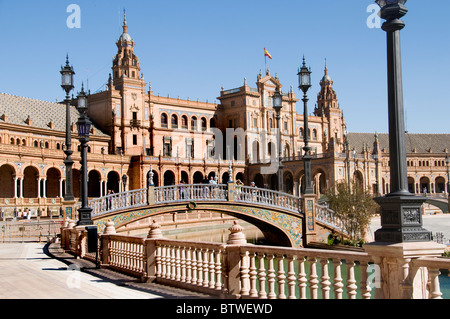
163 120
174 121
212 122
285 125
314 136
203 124
270 123
184 122
134 139
194 123
255 123
167 146
189 148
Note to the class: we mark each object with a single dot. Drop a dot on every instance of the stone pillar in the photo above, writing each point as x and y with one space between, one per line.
109 229
236 237
155 231
151 195
68 209
395 276
309 209
231 191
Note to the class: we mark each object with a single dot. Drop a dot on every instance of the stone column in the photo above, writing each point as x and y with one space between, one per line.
309 209
396 278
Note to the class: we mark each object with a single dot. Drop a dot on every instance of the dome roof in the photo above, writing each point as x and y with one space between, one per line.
125 37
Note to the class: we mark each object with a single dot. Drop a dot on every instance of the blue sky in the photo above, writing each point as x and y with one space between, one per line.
193 48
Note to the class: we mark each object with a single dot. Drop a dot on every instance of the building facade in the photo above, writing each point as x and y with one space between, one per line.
181 140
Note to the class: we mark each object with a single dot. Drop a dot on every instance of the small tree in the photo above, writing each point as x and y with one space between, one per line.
353 206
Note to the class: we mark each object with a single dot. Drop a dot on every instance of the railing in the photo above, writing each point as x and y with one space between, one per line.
242 271
239 270
327 216
198 192
114 202
268 197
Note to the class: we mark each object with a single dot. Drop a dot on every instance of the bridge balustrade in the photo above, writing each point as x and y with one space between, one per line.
194 192
328 217
115 202
240 271
268 197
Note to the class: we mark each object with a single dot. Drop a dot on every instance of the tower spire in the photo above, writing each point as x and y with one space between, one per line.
125 27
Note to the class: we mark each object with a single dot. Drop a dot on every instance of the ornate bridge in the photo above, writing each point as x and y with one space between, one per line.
279 216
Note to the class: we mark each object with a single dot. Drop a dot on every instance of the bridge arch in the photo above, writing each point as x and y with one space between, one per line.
273 223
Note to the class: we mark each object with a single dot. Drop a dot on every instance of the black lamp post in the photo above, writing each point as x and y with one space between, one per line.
447 162
84 129
304 80
67 74
277 105
401 217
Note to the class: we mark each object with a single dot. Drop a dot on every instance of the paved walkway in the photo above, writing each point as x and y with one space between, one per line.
40 271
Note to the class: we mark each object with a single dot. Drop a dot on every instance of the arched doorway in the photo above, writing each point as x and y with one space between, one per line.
94 184
53 178
288 183
198 177
169 178
358 179
240 177
30 182
259 181
184 177
440 184
225 177
411 185
274 182
425 185
7 184
113 182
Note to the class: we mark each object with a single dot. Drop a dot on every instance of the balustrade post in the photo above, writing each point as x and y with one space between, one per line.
151 195
105 241
309 209
231 188
399 280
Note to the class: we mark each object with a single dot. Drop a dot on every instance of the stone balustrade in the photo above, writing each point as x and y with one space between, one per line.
240 270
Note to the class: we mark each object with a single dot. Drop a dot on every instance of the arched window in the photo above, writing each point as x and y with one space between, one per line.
270 123
194 123
203 124
184 122
212 122
314 136
174 121
163 120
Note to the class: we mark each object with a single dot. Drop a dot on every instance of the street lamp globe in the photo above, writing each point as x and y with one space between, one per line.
82 100
277 100
304 77
67 74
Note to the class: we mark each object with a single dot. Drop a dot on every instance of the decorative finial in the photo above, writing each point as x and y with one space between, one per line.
124 17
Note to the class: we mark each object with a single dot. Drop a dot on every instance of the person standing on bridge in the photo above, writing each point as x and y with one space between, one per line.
212 182
254 191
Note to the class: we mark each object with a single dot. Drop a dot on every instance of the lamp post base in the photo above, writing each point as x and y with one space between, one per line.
401 220
84 215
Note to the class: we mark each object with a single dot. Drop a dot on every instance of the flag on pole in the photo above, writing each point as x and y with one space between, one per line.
267 54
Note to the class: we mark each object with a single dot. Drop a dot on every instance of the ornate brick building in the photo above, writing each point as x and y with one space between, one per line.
136 131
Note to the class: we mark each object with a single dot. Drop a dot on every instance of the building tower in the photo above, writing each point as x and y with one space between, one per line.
329 110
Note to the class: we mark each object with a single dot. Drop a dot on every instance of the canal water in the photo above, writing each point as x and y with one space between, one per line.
219 234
